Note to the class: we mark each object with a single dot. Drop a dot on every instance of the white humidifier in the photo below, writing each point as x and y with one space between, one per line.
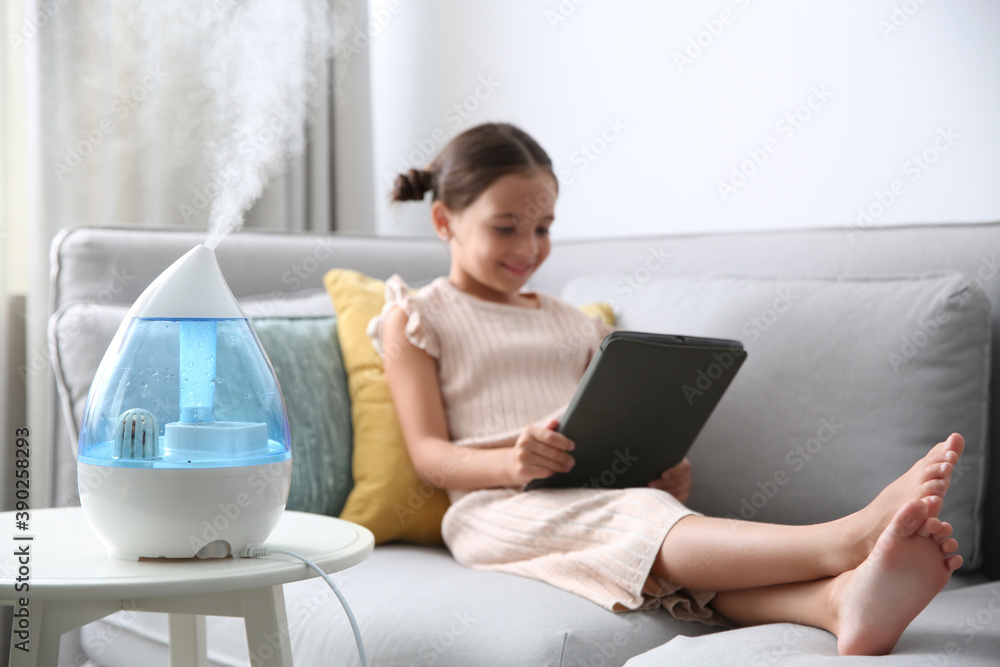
184 449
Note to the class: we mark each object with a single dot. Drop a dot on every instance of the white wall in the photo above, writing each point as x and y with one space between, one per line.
895 79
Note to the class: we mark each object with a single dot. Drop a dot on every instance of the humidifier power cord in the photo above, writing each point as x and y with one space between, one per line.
258 552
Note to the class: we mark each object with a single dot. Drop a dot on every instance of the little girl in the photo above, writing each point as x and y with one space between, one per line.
480 370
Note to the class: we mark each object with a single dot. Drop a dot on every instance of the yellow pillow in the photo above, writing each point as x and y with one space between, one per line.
601 310
388 497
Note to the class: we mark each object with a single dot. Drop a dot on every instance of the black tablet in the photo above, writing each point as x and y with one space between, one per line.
640 404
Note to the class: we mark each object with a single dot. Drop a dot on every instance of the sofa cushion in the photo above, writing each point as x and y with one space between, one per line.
960 627
846 384
305 355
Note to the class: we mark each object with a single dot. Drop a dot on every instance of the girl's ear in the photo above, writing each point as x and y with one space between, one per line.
441 217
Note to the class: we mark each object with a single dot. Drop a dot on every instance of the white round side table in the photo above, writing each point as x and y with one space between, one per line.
72 581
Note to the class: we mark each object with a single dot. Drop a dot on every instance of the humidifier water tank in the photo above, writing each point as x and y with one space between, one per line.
184 447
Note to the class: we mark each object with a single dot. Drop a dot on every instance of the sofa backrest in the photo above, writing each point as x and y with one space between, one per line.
111 267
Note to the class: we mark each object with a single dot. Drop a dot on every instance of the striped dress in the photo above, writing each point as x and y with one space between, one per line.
501 368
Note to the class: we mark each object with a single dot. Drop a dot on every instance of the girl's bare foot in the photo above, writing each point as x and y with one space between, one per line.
911 562
927 481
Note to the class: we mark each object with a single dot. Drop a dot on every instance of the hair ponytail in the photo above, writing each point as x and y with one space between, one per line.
413 185
470 163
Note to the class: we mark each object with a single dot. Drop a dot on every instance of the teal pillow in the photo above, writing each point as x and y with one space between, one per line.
305 354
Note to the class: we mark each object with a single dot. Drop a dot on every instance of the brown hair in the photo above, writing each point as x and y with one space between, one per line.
470 163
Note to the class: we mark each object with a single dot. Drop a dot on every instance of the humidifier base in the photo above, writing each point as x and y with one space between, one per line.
183 513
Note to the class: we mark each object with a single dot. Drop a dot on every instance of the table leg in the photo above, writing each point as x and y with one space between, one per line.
188 643
267 627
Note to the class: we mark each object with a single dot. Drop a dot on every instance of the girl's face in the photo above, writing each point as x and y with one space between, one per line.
499 240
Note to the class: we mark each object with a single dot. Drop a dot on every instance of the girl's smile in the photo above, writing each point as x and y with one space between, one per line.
522 270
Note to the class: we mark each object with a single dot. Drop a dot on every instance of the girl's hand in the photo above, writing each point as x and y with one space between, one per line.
676 481
538 453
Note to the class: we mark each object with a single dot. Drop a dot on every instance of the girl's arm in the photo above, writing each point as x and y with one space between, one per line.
411 374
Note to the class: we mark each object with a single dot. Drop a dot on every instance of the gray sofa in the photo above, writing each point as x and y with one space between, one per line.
866 346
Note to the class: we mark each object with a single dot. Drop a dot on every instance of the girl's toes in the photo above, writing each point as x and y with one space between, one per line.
949 546
957 443
933 502
953 562
931 527
945 531
935 487
938 470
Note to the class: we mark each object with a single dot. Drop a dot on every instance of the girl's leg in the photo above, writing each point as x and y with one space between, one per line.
804 602
867 608
710 554
706 553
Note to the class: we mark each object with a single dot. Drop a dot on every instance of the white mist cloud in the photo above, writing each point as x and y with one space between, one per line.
250 71
263 63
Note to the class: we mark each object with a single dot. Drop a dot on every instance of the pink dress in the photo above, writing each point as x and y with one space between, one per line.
503 367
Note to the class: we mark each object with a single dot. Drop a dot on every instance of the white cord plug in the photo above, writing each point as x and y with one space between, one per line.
257 551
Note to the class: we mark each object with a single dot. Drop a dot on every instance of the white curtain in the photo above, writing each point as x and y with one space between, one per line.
141 102
151 112
15 272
